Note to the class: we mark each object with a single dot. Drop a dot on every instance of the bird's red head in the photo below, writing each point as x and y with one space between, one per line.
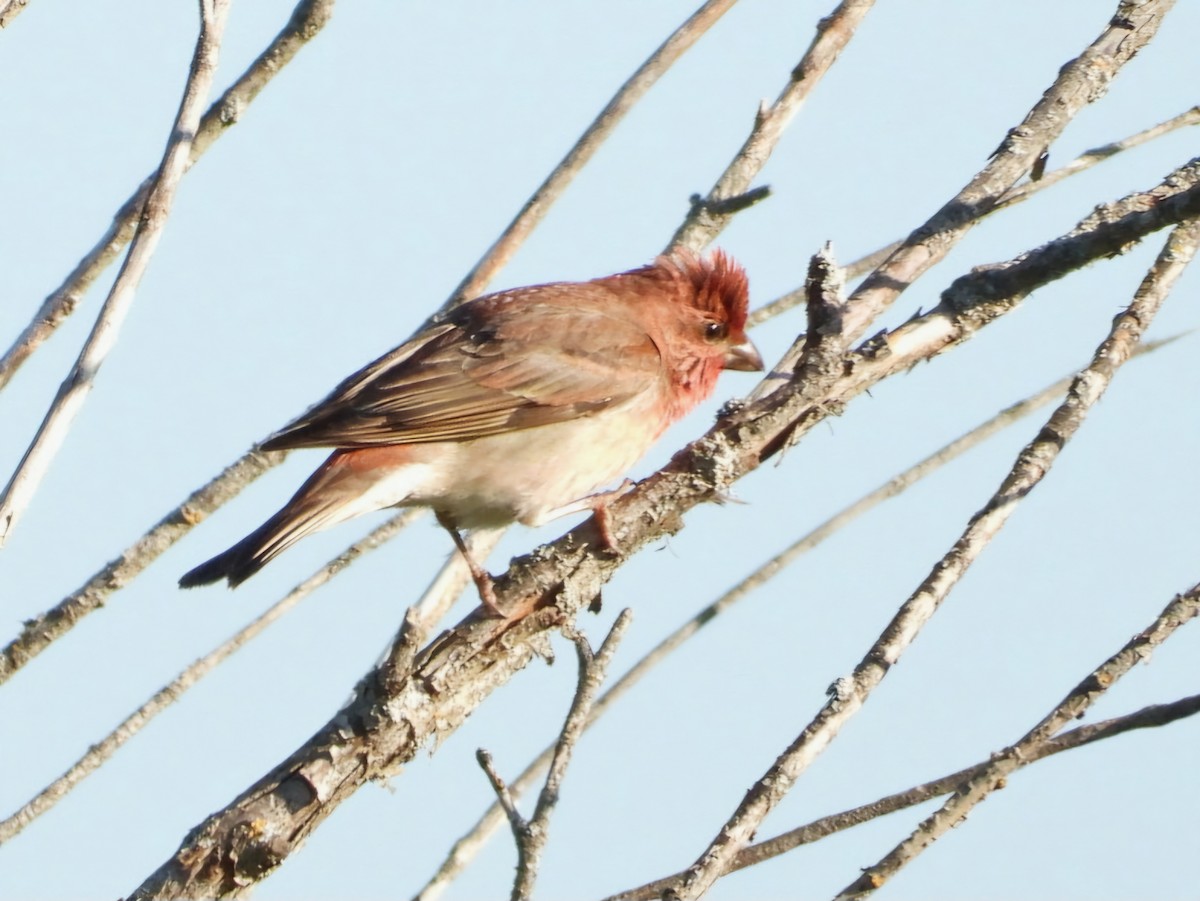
701 330
719 282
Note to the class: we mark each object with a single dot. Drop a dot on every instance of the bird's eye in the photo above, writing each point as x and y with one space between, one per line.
715 331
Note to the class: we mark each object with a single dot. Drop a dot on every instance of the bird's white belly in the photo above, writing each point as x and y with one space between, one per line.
526 475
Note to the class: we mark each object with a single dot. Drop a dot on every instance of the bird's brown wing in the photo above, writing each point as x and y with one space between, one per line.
497 364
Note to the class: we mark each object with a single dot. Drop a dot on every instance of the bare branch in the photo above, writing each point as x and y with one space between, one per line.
484 758
463 666
102 750
1081 163
1080 82
78 384
577 157
10 9
992 776
592 669
38 632
307 19
1149 717
1031 466
708 217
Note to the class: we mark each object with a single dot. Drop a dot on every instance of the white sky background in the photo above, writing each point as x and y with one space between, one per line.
350 200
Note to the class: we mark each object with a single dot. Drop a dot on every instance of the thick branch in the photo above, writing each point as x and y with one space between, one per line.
462 667
10 9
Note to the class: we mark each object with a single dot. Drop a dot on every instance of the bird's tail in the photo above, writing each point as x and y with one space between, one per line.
326 499
261 546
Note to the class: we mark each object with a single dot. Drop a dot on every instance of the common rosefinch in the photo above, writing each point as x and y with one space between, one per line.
515 406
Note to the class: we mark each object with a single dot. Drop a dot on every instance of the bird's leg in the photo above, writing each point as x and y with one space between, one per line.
481 577
599 505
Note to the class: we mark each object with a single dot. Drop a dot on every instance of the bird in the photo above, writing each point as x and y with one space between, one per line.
515 406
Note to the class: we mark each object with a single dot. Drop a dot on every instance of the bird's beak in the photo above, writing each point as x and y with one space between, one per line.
744 357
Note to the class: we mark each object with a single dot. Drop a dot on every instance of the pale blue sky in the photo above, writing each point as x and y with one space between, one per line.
341 211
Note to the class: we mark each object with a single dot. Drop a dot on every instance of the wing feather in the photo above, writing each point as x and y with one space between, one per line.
497 364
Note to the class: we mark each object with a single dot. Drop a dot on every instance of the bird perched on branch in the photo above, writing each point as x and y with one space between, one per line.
515 406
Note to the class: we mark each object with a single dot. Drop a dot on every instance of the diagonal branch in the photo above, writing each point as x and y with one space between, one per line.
1031 467
577 157
708 217
39 632
1149 717
404 706
992 776
10 9
1080 82
78 384
307 19
1081 163
104 749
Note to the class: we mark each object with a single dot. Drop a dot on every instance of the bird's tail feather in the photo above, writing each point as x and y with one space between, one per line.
262 545
341 489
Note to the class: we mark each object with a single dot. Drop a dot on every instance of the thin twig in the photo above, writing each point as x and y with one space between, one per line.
1086 160
484 758
592 671
307 19
556 182
1034 461
1152 716
39 632
78 384
1097 155
104 749
992 776
708 217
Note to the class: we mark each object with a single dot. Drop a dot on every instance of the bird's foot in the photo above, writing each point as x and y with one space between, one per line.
600 514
